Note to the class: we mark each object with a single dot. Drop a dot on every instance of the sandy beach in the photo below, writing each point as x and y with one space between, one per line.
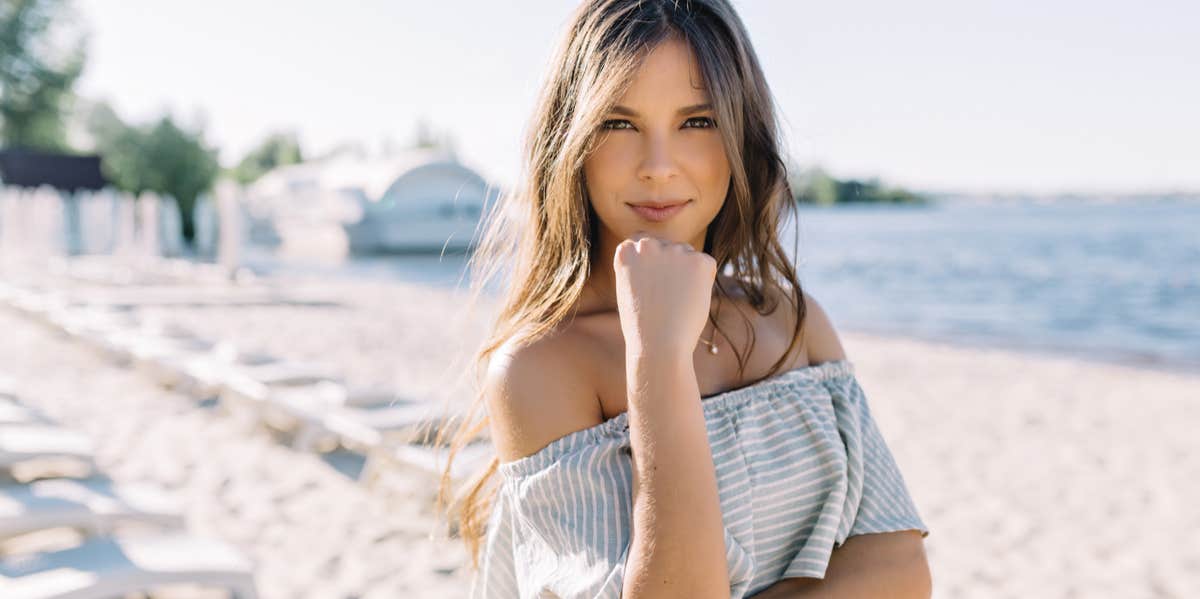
1038 475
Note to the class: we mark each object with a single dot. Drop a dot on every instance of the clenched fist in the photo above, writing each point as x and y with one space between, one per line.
664 290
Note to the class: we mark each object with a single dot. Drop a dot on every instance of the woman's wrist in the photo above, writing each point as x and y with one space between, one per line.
639 360
657 372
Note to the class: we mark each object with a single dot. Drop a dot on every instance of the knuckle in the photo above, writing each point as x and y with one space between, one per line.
624 252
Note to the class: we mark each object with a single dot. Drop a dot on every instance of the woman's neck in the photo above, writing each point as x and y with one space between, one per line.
600 291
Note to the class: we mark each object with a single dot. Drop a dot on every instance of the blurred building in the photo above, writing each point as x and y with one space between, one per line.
422 200
29 168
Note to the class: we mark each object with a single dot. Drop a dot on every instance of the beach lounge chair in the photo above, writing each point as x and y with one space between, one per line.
428 461
104 568
94 506
7 293
201 374
38 305
12 412
148 341
149 355
250 387
86 322
356 419
34 450
8 387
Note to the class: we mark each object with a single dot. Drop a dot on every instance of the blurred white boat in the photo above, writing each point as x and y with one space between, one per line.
420 201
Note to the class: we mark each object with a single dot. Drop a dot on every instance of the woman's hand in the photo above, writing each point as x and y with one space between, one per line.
664 290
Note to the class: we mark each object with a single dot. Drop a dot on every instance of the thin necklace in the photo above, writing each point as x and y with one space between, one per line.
711 343
712 347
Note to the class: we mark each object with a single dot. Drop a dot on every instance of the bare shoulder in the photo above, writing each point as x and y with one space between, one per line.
820 339
537 393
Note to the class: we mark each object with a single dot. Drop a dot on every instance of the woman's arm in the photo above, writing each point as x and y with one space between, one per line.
678 544
891 565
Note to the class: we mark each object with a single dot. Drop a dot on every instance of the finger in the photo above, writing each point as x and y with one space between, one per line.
624 252
647 241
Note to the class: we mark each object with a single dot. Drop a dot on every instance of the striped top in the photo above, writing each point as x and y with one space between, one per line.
800 467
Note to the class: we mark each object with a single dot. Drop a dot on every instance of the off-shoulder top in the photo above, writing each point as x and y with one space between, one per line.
800 463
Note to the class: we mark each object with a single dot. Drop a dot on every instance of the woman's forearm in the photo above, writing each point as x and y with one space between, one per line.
678 544
904 586
891 565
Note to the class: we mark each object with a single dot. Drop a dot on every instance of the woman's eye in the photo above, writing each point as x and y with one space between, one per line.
701 122
616 124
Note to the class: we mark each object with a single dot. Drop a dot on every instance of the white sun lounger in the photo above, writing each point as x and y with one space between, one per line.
7 293
201 374
148 355
104 568
21 444
8 387
12 412
87 323
249 388
36 304
141 345
358 421
93 505
426 459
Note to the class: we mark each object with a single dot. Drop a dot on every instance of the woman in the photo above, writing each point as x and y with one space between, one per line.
642 453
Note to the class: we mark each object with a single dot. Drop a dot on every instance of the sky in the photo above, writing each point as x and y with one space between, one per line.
937 95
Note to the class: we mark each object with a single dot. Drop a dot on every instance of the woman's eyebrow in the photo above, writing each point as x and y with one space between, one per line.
694 108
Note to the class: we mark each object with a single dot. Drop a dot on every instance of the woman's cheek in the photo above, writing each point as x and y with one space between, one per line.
710 169
605 163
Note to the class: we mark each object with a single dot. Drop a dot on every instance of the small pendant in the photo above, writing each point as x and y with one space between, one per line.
712 349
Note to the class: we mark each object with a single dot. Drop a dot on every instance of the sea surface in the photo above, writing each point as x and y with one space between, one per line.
1116 281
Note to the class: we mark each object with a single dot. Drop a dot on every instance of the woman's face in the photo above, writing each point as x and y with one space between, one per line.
659 146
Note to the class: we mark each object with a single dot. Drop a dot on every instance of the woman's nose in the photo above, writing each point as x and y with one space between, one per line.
658 163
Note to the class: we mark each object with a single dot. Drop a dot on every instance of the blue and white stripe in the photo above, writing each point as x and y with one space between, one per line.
801 466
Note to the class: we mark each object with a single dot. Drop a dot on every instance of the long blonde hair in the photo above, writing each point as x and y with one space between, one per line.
539 238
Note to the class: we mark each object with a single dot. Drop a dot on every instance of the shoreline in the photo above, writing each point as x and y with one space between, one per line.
1104 356
1100 357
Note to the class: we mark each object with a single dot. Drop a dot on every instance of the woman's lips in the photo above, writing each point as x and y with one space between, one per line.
659 215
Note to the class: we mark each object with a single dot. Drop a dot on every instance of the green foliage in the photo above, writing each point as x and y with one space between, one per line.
815 186
278 149
159 157
812 186
36 76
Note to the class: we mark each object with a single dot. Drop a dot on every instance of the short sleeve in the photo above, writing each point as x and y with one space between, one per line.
875 498
560 525
573 523
877 493
562 521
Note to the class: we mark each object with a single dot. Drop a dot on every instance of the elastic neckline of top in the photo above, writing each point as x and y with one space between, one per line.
813 372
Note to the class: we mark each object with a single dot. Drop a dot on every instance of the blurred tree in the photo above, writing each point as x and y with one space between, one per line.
815 186
159 157
425 137
36 73
277 149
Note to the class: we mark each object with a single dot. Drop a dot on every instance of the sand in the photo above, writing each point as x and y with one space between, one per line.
1038 475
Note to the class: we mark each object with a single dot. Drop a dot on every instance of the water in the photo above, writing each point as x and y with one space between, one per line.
1116 281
